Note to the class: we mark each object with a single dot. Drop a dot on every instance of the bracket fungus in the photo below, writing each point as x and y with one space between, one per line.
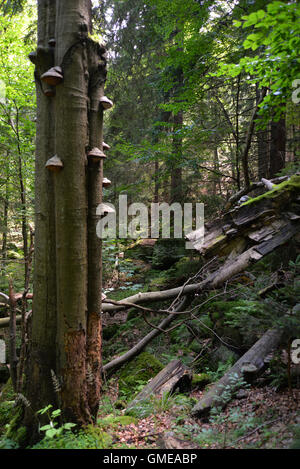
54 164
50 92
106 182
96 155
105 146
104 209
106 103
52 42
33 57
53 76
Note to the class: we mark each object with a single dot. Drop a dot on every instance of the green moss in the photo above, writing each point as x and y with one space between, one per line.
6 408
116 421
137 373
200 381
89 437
292 184
14 431
8 393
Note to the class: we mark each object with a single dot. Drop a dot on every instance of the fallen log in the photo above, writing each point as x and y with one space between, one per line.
212 281
175 376
218 394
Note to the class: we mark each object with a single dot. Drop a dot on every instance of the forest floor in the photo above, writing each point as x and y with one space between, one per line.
264 419
263 416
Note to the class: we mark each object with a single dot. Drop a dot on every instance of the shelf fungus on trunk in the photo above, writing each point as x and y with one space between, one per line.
106 103
105 146
54 164
96 155
53 76
33 57
106 182
50 92
52 42
104 209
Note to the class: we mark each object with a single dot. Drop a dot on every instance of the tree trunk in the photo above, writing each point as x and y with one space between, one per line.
5 226
176 174
42 343
278 144
66 324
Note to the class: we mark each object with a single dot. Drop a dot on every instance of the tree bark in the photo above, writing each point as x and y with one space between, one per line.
42 343
277 149
66 323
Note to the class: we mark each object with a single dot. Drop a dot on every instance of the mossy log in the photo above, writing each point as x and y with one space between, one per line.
174 376
218 395
243 235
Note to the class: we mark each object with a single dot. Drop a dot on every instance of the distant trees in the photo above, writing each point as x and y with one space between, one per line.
169 54
17 113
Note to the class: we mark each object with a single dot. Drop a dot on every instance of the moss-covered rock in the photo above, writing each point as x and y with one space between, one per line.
200 381
137 373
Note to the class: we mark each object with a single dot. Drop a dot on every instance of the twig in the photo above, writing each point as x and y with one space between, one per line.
269 422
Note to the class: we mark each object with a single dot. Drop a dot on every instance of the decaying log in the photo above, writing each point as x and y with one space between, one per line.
175 376
255 356
243 235
255 185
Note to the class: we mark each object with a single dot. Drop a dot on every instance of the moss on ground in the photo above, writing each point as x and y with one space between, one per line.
200 381
137 373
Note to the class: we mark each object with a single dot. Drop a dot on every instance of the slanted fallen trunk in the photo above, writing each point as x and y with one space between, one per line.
139 347
214 280
174 376
218 394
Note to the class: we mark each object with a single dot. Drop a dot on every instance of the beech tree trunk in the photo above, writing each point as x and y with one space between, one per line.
66 321
278 146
